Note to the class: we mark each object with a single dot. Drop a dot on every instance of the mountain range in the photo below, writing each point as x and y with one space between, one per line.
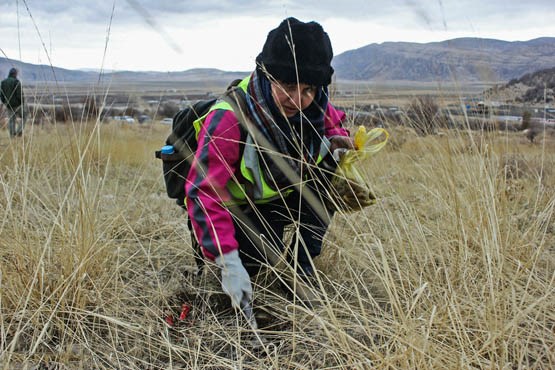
462 59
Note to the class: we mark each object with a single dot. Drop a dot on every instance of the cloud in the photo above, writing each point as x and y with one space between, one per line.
77 10
228 34
440 14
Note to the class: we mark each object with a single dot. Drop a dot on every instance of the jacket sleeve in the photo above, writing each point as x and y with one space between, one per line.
333 122
18 93
215 162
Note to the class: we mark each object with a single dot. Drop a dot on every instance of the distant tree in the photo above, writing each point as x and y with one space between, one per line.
131 111
111 112
526 119
90 108
38 116
62 113
168 109
423 115
531 134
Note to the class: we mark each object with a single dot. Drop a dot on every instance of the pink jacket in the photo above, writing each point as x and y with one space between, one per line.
216 160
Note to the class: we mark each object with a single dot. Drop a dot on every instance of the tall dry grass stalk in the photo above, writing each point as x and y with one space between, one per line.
452 268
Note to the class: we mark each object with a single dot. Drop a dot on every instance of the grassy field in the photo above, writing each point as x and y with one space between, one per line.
453 268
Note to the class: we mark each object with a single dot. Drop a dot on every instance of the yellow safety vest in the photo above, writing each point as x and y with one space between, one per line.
261 191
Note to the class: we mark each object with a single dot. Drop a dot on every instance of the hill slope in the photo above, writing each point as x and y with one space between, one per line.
42 73
535 87
39 72
463 59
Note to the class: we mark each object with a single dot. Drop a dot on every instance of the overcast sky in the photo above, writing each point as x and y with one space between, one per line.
175 35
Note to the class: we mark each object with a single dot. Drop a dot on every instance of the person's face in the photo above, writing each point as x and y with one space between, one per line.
290 98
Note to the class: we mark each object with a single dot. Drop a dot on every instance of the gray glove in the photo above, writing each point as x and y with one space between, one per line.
236 282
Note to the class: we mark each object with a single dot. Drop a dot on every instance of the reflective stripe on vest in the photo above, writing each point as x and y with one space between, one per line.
250 164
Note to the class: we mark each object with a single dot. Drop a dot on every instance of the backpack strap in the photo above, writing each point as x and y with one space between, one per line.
236 97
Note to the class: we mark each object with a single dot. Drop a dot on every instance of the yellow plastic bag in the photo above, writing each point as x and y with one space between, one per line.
348 184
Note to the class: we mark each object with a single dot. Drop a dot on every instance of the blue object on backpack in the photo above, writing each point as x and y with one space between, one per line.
167 149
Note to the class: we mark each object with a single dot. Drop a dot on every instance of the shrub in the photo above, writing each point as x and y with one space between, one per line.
168 109
423 115
526 119
90 108
62 113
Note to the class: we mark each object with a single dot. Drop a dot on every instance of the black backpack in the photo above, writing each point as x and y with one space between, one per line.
176 165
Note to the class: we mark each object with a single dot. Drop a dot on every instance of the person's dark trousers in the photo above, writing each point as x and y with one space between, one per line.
312 223
14 129
261 226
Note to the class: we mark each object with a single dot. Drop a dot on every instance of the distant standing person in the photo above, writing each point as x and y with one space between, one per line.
11 94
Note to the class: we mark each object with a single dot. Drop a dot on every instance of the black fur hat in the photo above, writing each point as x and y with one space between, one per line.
312 53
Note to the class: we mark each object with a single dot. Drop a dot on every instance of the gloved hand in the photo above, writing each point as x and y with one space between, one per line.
357 196
236 282
348 195
341 142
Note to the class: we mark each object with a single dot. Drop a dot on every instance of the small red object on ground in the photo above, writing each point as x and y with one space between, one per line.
185 308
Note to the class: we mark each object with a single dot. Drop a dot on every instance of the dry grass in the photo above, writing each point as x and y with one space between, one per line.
452 268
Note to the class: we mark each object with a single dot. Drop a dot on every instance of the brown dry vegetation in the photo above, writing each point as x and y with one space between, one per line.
452 268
